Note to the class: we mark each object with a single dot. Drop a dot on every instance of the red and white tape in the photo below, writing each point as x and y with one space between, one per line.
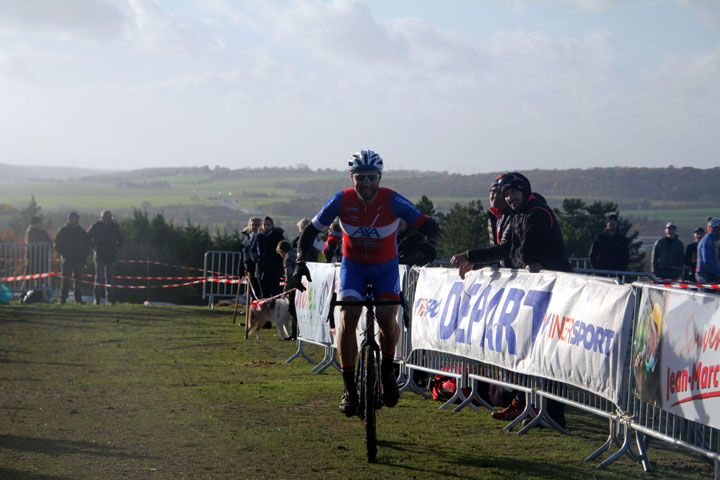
713 286
34 276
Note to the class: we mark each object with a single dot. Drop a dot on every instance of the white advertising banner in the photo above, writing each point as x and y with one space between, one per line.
555 325
675 357
312 305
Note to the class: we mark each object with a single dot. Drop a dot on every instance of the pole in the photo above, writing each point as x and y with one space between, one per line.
248 313
237 299
147 277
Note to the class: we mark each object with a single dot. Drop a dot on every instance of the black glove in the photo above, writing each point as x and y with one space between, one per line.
301 270
429 253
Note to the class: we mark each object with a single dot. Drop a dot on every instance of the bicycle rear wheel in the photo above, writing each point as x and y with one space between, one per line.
369 401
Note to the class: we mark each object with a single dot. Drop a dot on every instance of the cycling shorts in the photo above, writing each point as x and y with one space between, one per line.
384 278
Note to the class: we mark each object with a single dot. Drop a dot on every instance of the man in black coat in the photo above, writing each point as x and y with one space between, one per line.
269 265
609 250
73 244
535 242
106 240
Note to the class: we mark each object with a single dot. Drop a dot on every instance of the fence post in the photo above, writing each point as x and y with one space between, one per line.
147 277
248 314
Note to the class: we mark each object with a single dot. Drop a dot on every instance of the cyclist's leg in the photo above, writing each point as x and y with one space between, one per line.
351 284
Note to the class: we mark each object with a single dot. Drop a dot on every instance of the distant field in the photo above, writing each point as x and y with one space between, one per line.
192 191
687 216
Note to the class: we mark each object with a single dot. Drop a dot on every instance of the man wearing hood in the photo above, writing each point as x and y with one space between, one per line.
535 242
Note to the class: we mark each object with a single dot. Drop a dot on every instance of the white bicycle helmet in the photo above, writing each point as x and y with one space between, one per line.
365 160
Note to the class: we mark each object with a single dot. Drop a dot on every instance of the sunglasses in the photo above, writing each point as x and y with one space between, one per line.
366 178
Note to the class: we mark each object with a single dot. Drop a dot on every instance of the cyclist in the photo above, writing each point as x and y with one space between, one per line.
369 221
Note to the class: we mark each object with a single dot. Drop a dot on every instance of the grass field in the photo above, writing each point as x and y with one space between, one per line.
171 393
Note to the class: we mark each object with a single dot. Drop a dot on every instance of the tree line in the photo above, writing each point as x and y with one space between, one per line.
464 226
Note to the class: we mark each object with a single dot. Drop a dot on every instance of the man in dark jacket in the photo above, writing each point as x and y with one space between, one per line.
609 250
106 240
73 244
269 266
667 254
535 243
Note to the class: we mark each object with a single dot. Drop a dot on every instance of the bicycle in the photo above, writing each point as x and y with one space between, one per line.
367 376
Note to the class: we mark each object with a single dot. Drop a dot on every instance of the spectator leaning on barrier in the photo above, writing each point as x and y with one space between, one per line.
36 259
73 244
690 258
536 244
269 266
249 251
106 240
708 269
609 250
667 254
317 243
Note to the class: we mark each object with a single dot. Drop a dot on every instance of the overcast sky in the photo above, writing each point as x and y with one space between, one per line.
457 85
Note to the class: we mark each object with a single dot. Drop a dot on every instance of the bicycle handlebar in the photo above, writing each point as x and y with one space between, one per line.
367 302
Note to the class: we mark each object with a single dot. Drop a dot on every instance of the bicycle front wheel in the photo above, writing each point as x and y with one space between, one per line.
369 401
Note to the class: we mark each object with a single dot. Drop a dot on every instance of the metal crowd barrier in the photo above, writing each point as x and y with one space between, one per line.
630 422
26 259
221 263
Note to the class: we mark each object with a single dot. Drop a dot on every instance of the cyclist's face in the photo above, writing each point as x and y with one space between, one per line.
366 184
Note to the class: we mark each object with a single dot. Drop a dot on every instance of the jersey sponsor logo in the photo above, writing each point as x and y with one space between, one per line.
365 232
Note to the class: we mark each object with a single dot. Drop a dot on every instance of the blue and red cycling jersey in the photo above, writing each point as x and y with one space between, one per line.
369 231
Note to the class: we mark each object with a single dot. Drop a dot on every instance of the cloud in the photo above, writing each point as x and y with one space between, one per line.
86 18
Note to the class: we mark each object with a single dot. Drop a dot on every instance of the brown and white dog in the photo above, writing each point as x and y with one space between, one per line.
275 311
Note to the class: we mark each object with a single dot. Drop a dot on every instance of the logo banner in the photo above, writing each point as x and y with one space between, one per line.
675 357
313 305
551 324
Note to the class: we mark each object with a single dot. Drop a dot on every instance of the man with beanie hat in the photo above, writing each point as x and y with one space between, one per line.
609 250
667 254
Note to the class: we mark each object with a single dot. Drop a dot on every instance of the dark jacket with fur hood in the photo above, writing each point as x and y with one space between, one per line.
534 236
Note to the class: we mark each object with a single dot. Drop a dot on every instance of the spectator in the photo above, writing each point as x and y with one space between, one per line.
690 258
269 266
536 244
285 250
332 249
667 254
609 250
317 243
37 258
708 269
498 217
73 244
106 240
249 251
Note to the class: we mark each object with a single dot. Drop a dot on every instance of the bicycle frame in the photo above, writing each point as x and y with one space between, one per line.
368 373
